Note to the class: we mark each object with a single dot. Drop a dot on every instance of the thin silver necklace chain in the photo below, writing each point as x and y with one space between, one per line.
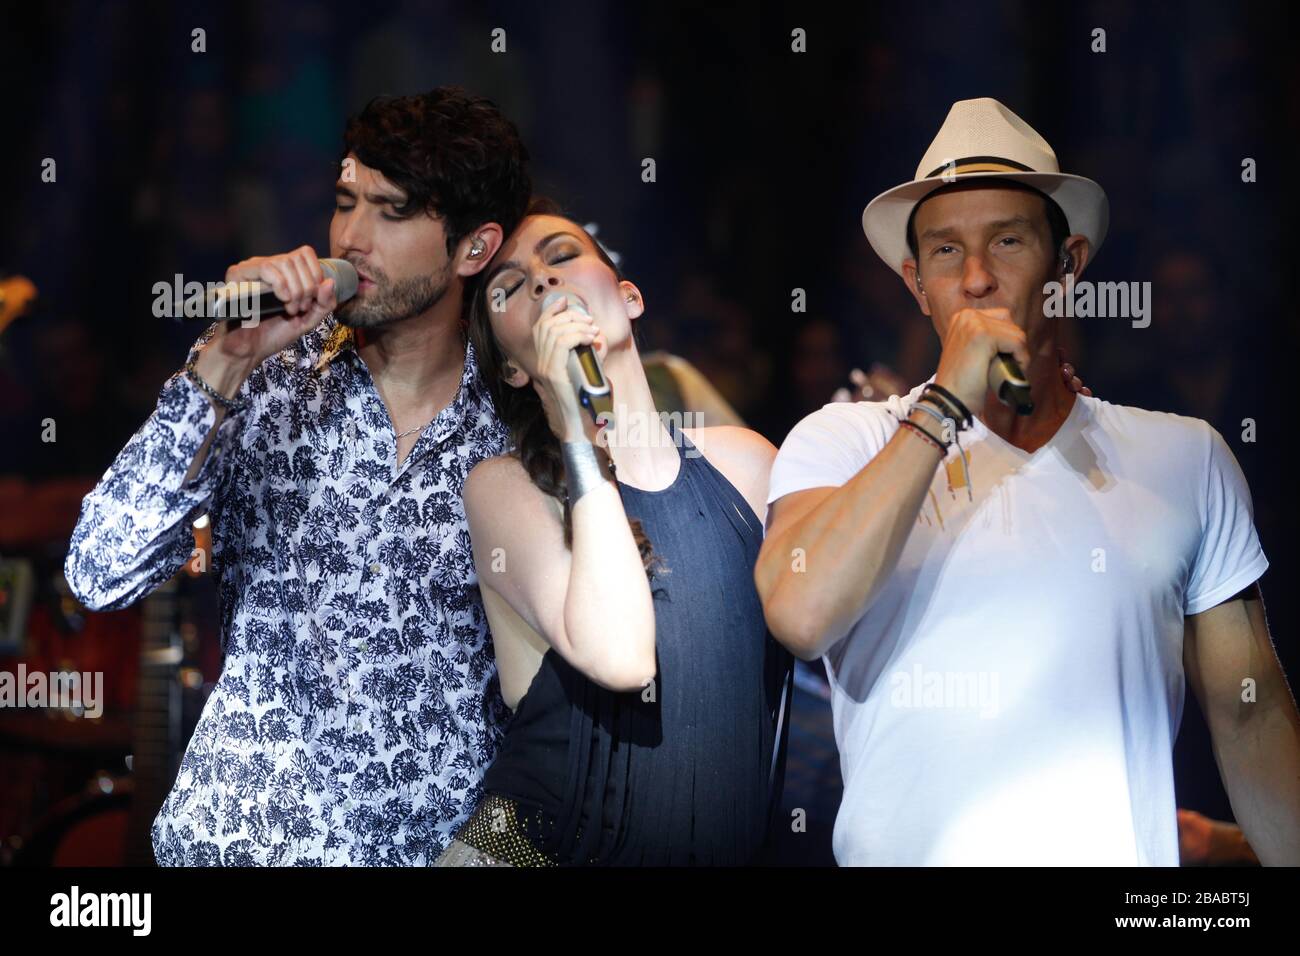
416 428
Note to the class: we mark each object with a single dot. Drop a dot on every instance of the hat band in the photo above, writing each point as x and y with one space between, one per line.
978 164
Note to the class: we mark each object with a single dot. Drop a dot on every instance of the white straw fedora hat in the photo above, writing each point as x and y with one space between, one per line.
982 138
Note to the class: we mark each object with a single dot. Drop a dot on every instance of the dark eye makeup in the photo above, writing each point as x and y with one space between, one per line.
562 255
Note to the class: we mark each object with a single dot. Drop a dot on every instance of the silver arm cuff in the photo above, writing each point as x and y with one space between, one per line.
583 471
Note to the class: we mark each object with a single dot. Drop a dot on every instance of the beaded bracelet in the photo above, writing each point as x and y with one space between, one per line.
925 434
229 405
921 406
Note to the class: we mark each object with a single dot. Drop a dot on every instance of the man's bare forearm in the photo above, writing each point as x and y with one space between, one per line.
1260 766
821 574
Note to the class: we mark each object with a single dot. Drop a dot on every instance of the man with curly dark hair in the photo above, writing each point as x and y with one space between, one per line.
358 704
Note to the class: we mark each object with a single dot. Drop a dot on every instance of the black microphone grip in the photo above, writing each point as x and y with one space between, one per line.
1008 383
237 302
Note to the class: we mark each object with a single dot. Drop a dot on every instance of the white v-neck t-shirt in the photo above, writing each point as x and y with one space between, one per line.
1013 694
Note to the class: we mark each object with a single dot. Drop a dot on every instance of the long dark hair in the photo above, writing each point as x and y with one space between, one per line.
520 409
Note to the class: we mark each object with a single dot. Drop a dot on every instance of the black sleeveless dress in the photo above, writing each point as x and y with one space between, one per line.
686 772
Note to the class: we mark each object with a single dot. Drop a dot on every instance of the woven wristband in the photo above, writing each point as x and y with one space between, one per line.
960 412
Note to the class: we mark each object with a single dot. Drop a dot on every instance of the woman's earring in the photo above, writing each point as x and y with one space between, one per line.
477 247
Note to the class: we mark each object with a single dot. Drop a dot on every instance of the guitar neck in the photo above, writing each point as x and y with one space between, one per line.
157 718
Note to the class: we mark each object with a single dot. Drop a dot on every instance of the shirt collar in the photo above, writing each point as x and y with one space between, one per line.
338 340
469 396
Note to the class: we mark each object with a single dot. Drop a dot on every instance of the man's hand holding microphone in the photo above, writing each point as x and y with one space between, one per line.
303 295
299 281
564 326
975 339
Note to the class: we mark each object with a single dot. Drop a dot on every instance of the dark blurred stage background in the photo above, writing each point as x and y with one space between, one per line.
172 161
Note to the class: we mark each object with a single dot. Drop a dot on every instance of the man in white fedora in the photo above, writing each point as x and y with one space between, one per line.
1009 594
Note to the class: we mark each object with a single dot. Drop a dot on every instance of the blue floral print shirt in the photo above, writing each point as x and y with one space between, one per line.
358 704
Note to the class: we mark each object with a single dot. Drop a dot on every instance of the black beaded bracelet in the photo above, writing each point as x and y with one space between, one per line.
959 410
229 405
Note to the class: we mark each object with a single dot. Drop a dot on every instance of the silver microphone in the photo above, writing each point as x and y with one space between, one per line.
241 300
588 378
